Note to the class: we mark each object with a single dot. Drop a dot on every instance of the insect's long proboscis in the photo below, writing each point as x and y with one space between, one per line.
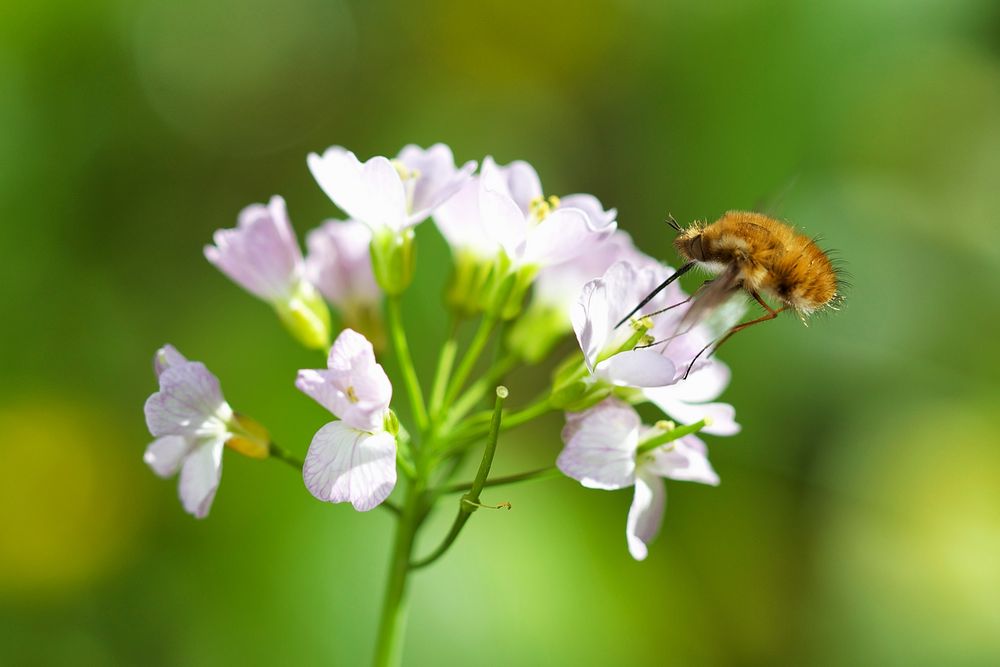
677 274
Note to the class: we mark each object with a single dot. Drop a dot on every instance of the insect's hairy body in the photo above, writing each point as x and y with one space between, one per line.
760 254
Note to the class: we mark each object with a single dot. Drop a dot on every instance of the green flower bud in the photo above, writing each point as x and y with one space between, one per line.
393 259
306 317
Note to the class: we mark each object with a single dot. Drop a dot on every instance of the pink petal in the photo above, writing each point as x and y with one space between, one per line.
599 219
645 515
189 403
347 465
600 446
564 234
200 477
503 221
166 357
523 184
686 460
261 254
339 263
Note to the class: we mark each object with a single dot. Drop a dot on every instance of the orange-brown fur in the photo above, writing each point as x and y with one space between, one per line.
763 255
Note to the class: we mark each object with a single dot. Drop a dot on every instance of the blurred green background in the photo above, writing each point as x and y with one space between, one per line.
858 521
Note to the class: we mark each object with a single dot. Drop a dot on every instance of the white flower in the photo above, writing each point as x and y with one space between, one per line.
390 194
602 304
602 451
461 224
693 399
352 460
533 229
190 420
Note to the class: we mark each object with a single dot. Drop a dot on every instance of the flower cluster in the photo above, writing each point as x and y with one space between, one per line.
544 265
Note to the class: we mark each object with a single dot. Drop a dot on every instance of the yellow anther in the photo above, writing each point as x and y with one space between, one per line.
666 425
351 395
540 206
405 172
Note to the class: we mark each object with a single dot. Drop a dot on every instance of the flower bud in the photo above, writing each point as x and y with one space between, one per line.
249 437
306 316
393 259
391 423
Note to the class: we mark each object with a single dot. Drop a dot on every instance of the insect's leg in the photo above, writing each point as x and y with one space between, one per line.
770 315
681 303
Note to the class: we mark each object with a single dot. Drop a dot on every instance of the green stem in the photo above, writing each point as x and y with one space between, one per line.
479 341
398 334
670 436
445 363
470 501
392 626
542 473
280 453
475 424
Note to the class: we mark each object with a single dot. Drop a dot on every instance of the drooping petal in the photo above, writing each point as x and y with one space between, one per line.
437 178
347 465
600 446
722 416
371 192
355 387
261 254
189 403
646 514
685 459
165 455
166 357
637 368
339 263
590 321
200 477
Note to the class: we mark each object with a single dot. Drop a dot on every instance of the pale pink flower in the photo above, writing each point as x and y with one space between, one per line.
390 194
602 452
261 254
352 460
461 224
190 420
339 263
533 229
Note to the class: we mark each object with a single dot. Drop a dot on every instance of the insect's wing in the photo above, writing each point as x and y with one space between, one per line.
712 295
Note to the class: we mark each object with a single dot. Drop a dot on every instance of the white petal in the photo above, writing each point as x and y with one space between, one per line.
722 415
687 460
461 224
165 455
189 403
523 183
562 235
438 178
646 514
591 205
347 465
638 368
503 221
590 320
600 446
200 477
371 192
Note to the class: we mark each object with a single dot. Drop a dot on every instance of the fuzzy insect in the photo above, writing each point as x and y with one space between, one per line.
755 254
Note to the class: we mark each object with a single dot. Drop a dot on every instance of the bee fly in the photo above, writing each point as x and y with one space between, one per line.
755 254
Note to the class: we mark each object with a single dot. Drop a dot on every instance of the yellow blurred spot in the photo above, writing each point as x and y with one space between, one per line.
69 492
